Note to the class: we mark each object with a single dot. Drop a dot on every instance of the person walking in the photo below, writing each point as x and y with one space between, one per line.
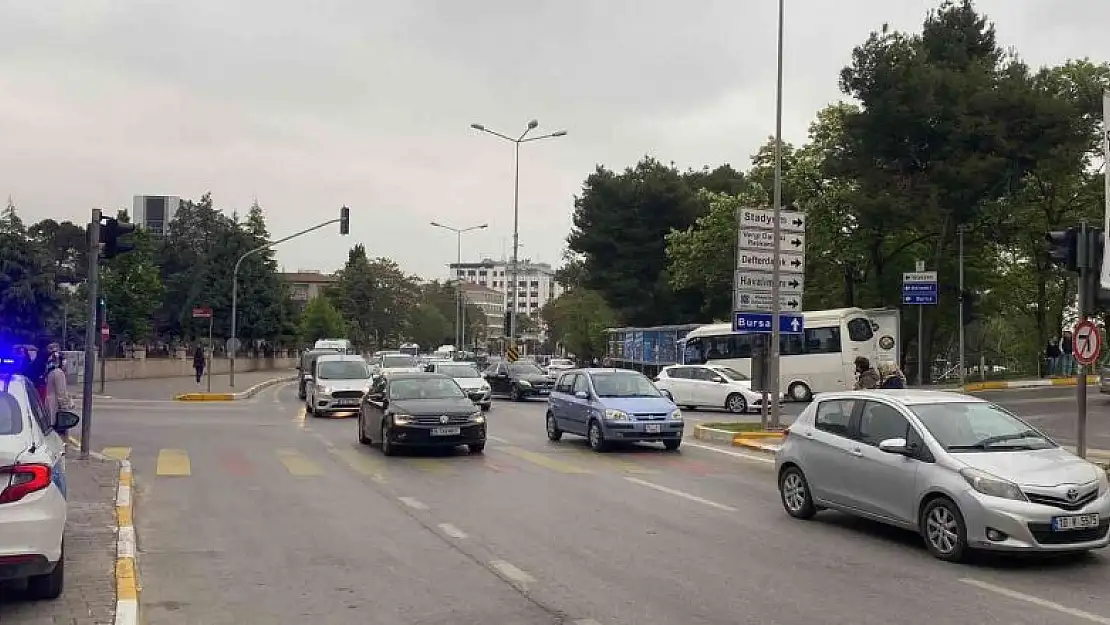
866 376
1067 358
199 362
891 376
1052 356
57 391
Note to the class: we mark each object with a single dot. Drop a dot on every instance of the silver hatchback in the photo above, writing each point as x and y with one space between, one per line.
963 472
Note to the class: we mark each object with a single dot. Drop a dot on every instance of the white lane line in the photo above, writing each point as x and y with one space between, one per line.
412 503
728 452
1037 601
452 531
585 621
497 439
679 493
512 574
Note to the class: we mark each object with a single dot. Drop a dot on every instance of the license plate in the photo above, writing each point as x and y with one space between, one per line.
1080 522
652 428
446 431
348 402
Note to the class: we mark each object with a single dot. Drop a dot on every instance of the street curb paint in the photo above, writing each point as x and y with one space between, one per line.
1000 385
749 440
127 584
247 394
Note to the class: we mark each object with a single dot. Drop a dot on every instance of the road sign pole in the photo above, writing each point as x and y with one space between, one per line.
211 350
90 333
960 312
1084 296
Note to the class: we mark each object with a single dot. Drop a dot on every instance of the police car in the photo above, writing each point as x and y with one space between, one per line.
32 487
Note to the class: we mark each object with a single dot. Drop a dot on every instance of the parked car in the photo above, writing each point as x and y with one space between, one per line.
518 380
693 386
556 365
964 473
468 378
420 410
338 383
612 406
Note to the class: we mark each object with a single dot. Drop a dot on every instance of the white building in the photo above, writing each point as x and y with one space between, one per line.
155 212
536 283
491 303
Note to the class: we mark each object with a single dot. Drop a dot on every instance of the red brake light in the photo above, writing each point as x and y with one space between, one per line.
23 479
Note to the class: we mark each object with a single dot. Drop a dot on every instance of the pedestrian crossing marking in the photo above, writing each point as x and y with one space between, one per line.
361 464
117 453
544 461
297 464
235 463
173 463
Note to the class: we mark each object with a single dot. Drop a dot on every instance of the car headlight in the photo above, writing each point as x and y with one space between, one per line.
524 383
616 415
478 417
993 486
1103 482
676 415
402 419
323 390
484 387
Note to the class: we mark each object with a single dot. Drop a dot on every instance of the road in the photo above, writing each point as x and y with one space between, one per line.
251 512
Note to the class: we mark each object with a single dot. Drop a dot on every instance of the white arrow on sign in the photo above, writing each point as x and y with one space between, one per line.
789 262
762 281
762 302
919 276
765 240
764 219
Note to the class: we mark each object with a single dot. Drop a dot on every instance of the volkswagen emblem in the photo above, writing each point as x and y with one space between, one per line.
445 419
1073 494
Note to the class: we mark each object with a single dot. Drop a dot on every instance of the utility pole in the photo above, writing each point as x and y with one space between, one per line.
776 304
1086 298
960 317
90 332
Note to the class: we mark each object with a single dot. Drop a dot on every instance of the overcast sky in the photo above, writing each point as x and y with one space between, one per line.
312 105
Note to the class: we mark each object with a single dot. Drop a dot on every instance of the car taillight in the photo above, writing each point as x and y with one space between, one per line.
23 479
785 432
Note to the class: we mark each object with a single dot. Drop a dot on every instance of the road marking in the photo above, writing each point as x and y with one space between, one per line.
729 452
585 621
512 574
498 439
299 417
361 463
615 463
543 461
429 465
679 493
412 503
452 531
297 464
1037 601
118 453
174 463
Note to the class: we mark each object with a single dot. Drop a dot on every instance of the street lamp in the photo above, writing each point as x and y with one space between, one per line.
523 138
460 330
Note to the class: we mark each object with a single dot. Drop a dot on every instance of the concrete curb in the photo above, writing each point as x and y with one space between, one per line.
127 583
1000 385
763 442
247 394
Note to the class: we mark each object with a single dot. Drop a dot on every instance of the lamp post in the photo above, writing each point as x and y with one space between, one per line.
460 329
776 304
523 138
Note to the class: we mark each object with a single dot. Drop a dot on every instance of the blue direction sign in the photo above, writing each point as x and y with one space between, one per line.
760 323
919 288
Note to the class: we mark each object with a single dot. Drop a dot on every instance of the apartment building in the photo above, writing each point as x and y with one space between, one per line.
535 286
306 284
491 303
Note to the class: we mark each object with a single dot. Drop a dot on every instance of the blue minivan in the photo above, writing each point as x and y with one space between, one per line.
612 406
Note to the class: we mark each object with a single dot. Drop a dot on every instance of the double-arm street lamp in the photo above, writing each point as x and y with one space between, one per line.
460 305
511 291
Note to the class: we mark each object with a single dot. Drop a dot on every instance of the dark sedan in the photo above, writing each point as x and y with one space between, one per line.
420 410
519 380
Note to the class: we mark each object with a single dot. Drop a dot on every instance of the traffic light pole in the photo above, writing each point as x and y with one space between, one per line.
1086 298
90 333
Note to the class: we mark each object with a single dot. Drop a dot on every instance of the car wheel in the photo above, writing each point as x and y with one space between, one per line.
596 437
387 445
362 438
514 394
800 391
486 406
553 431
795 495
944 530
736 403
50 585
308 409
477 448
689 407
672 445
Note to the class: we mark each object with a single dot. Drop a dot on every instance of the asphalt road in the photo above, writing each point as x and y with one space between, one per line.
250 512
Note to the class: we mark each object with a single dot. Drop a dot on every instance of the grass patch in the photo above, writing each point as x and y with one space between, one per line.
736 426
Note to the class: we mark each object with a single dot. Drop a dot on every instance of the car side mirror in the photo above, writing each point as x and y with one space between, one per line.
66 420
582 395
895 446
667 394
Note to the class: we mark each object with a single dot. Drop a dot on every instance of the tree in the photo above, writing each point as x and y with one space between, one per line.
132 288
429 328
28 298
578 320
375 297
321 320
66 245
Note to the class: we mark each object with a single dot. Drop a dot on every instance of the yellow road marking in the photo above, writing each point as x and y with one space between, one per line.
297 464
119 453
544 461
123 516
617 464
174 463
430 465
361 463
126 588
299 417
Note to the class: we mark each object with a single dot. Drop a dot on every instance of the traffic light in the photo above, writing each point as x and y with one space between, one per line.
344 220
508 323
1063 248
111 231
969 301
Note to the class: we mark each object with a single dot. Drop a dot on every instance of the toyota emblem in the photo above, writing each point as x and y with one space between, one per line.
445 419
1073 494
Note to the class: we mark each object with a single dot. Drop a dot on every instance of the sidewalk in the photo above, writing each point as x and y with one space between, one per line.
167 388
997 385
89 597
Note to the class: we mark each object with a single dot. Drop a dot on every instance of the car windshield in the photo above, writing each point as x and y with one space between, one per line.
11 415
398 361
342 370
425 388
458 371
731 374
619 384
978 426
525 369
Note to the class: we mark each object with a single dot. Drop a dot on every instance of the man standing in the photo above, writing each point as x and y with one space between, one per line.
1067 358
199 362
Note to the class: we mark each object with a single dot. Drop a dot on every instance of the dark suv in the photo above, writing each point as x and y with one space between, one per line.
518 380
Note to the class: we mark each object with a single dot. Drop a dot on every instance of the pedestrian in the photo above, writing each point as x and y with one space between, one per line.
891 376
1067 358
1052 356
866 376
38 368
57 391
199 362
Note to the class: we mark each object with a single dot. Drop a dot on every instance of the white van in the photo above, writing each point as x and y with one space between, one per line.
343 346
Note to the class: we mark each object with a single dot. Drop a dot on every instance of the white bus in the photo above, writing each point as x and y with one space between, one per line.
823 359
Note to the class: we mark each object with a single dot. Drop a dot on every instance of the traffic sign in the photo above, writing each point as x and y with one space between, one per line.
1086 342
765 240
764 219
202 313
747 280
748 301
760 323
232 345
919 288
789 262
104 332
511 354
